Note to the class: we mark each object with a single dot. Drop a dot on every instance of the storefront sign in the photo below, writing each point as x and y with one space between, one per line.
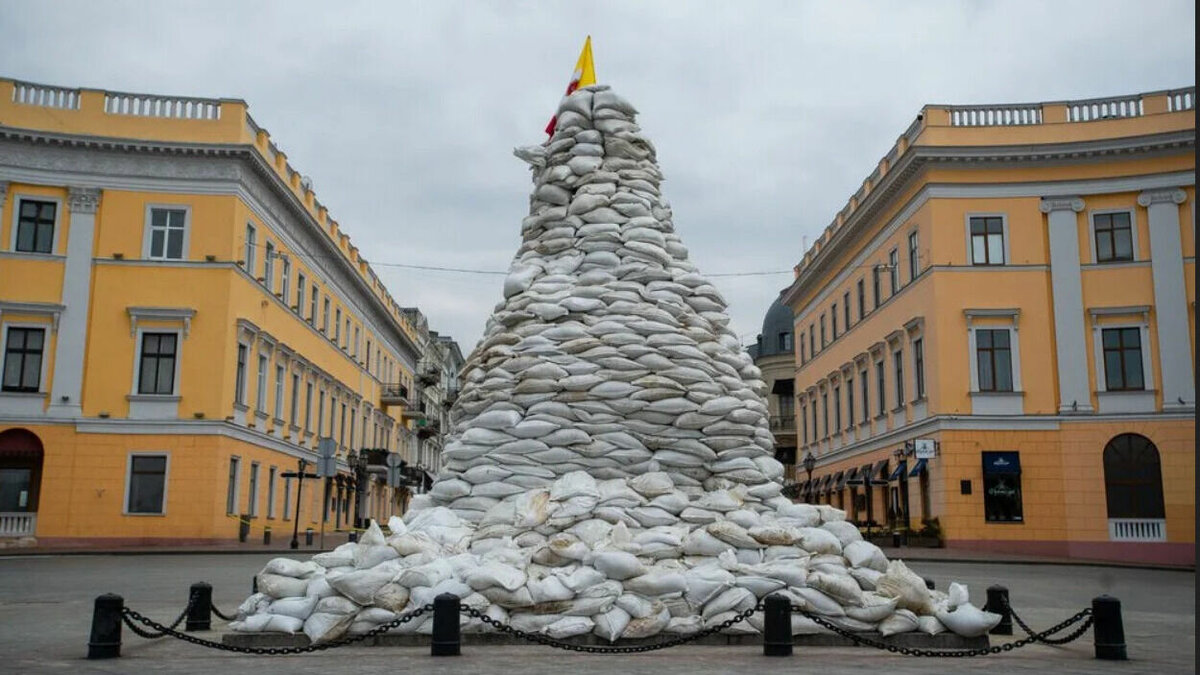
924 448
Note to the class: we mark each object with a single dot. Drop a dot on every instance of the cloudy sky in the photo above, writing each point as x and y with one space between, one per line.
767 116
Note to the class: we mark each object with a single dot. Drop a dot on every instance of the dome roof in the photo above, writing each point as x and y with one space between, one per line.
777 322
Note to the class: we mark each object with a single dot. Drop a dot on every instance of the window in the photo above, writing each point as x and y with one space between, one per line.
1114 237
341 426
269 267
833 320
271 492
812 346
23 359
285 280
166 233
849 403
156 373
919 366
231 490
260 403
369 357
866 398
846 309
249 252
312 309
146 488
862 299
301 281
993 354
785 342
837 408
287 498
239 392
1123 359
253 507
823 341
876 286
1133 478
321 413
1002 487
295 399
824 414
894 271
803 423
308 388
898 363
881 394
346 334
325 318
337 324
987 240
279 374
354 345
35 226
914 258
803 350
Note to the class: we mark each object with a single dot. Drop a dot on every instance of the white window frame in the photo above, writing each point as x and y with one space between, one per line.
1004 232
16 219
147 230
301 289
250 244
914 253
49 328
894 281
280 388
287 498
285 281
269 265
1133 233
272 474
260 380
1014 347
245 375
236 461
129 479
137 361
252 505
295 398
1143 324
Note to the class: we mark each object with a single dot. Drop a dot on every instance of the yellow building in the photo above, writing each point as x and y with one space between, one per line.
997 332
181 320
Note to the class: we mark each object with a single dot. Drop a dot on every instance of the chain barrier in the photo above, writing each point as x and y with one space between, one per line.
1083 614
161 629
130 616
221 615
599 649
1087 623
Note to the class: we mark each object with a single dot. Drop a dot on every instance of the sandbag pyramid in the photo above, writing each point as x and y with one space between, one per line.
611 470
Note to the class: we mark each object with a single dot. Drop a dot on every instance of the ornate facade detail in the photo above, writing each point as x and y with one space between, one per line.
1051 204
1168 196
83 200
3 192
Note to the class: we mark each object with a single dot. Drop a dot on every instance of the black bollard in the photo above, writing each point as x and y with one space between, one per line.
446 634
199 616
353 536
929 583
997 603
105 642
266 536
308 535
254 584
1108 630
777 626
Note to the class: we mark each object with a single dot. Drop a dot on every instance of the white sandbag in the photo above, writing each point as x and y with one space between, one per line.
817 602
744 627
299 608
773 535
495 574
930 625
875 608
867 578
281 623
700 542
957 595
900 582
806 514
256 623
318 587
548 589
531 623
583 577
449 490
339 557
291 568
321 627
657 583
533 508
412 543
574 484
396 525
370 556
391 596
847 533
842 588
652 484
816 540
968 620
278 586
569 626
617 565
611 624
901 621
733 534
865 554
361 586
684 625
759 586
429 574
647 626
734 599
636 606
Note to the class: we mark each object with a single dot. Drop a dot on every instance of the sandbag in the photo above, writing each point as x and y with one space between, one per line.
321 627
291 568
902 621
278 586
865 554
900 582
968 620
611 624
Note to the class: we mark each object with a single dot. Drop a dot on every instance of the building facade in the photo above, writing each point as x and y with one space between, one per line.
774 355
995 338
182 321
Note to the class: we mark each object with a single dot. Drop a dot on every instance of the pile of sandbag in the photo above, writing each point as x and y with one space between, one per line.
656 560
609 351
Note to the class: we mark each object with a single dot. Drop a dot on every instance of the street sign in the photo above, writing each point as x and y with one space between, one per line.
394 459
924 448
326 466
326 447
293 474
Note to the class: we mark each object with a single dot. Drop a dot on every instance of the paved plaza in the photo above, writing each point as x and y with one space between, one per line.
46 606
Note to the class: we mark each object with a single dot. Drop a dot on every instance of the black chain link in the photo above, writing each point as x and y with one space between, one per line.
981 651
129 616
1048 640
600 649
220 615
162 629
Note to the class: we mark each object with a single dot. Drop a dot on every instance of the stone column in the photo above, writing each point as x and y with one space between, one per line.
66 388
1070 338
1170 298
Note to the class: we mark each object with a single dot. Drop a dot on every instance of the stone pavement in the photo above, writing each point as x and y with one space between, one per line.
46 606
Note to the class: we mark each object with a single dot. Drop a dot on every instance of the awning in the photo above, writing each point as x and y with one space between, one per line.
839 481
898 472
826 484
877 473
859 476
784 386
917 469
1001 462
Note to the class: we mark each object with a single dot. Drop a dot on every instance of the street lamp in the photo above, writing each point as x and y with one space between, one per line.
809 463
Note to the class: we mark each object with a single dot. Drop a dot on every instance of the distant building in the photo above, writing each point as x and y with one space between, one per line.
181 321
773 354
998 331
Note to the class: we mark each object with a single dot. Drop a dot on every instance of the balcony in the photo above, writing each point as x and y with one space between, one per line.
414 410
1137 529
428 427
449 398
783 424
18 524
393 394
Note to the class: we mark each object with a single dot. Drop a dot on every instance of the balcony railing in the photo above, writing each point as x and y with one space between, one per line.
1137 529
996 115
150 105
46 96
393 393
783 423
18 524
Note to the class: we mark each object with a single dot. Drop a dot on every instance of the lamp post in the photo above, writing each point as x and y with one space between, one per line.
358 464
810 463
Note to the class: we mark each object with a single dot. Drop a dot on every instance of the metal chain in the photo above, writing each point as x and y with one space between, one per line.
221 615
1048 640
174 624
130 616
982 651
596 649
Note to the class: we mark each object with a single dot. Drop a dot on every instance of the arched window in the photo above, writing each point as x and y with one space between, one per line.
1133 478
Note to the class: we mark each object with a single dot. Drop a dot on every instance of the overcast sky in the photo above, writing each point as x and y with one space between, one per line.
767 116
